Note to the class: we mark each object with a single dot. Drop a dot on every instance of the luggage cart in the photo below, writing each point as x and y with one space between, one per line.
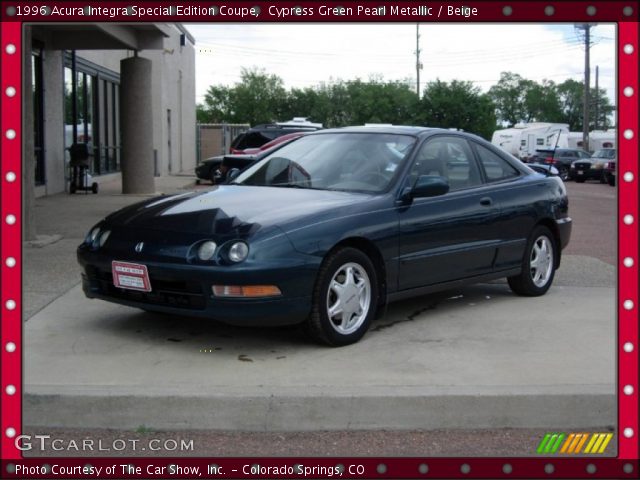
79 164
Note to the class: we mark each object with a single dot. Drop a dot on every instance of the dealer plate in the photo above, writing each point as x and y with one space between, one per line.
131 276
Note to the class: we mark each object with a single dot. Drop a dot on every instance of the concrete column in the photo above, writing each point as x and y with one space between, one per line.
136 125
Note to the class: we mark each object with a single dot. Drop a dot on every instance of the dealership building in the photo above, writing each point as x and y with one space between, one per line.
127 91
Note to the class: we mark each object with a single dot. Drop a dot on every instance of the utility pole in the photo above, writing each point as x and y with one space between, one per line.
585 104
595 121
418 64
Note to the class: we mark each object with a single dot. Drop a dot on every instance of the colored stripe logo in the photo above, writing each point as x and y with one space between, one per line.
574 443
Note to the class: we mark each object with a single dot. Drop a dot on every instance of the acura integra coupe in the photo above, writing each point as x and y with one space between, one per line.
329 228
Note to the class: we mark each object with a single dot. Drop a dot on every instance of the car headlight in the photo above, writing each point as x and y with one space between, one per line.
238 252
207 250
92 235
103 238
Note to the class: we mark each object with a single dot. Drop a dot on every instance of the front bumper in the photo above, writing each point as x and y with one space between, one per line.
183 289
585 174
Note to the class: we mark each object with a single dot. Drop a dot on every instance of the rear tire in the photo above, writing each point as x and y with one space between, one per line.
345 298
612 180
538 264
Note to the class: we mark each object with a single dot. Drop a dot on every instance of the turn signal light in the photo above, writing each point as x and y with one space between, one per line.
246 291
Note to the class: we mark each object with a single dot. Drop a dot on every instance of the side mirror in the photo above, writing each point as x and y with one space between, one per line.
429 186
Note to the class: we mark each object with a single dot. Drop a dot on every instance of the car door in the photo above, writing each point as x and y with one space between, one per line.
517 213
447 237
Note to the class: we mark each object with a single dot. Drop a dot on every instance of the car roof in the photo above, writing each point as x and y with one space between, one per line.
397 129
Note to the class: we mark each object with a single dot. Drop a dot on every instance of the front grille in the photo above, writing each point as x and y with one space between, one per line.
582 166
169 293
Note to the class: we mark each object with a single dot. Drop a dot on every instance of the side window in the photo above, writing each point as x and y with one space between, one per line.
495 167
448 157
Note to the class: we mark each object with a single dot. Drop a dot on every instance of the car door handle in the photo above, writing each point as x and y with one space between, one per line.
486 201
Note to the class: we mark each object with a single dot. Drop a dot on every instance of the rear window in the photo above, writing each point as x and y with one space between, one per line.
253 140
495 167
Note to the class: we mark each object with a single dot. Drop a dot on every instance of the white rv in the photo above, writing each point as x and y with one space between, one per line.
508 139
541 136
524 139
598 139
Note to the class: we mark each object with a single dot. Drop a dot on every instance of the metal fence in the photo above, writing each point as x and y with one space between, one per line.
215 138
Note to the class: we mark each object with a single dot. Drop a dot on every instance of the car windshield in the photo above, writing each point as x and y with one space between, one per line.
604 154
359 162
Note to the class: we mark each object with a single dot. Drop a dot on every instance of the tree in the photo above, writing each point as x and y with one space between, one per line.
217 105
509 96
458 105
542 102
257 98
571 95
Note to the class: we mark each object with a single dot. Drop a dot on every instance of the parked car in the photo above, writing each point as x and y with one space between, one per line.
209 169
610 172
592 168
328 229
561 158
257 136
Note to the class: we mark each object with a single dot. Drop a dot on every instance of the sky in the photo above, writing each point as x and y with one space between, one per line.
304 55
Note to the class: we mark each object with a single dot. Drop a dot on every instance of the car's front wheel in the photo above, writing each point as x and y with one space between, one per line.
344 299
538 265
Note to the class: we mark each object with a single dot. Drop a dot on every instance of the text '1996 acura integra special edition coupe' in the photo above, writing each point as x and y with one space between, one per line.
330 227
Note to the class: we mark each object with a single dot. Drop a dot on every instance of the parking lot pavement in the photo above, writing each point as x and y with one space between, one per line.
479 357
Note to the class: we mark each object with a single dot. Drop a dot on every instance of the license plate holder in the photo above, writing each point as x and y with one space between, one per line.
130 276
580 172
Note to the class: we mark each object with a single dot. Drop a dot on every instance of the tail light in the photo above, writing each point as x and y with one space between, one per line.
550 161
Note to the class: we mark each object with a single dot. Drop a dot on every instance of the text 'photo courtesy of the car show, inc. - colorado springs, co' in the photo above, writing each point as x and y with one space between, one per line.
318 239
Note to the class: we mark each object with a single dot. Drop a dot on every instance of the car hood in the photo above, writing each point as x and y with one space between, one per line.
234 210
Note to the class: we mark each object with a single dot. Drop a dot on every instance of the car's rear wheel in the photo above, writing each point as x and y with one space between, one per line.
611 180
344 299
538 264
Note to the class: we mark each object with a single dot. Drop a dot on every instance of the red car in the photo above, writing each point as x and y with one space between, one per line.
213 169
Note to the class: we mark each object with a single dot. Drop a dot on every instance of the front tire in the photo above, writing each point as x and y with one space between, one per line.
538 265
345 298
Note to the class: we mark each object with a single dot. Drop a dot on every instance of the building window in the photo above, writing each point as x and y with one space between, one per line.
38 119
91 112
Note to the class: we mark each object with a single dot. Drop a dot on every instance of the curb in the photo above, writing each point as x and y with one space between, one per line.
304 412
